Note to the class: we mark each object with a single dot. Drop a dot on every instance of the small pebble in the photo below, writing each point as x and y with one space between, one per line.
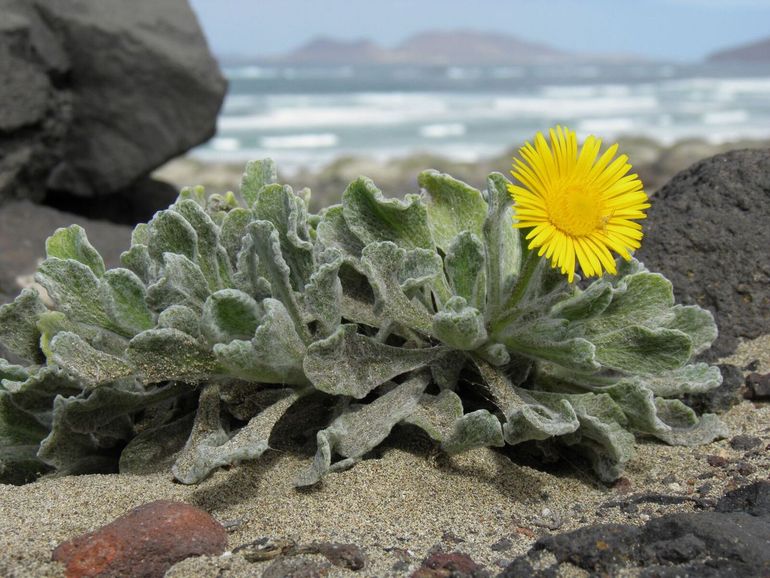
745 468
745 443
757 386
716 461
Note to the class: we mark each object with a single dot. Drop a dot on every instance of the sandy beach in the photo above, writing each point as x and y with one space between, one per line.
410 501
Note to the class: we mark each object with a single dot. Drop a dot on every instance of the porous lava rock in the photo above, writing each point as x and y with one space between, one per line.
734 540
707 232
145 542
98 93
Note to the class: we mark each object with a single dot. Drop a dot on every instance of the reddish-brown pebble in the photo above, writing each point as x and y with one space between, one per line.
145 542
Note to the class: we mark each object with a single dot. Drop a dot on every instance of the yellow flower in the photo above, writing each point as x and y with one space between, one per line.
577 205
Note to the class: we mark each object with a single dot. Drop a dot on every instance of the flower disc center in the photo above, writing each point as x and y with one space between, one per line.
575 209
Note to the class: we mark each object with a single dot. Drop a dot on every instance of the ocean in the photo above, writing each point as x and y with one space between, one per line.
308 116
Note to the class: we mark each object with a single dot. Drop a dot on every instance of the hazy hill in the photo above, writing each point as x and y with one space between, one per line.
465 47
758 51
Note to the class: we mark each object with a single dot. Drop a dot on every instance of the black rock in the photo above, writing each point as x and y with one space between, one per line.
732 541
98 93
721 398
745 443
24 227
758 386
753 499
707 232
34 114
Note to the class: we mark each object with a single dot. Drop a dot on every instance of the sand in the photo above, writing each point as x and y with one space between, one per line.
396 507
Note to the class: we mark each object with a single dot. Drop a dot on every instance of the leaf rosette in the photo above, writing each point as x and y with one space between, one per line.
231 310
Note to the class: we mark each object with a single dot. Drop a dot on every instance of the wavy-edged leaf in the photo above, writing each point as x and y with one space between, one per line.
465 264
638 349
475 429
436 415
234 228
169 232
385 266
267 246
348 363
155 449
361 429
286 211
182 318
230 314
373 218
322 297
87 433
453 207
334 233
18 325
459 326
168 354
697 323
257 174
274 355
74 289
209 447
182 283
91 366
138 260
208 253
585 304
501 240
72 243
123 297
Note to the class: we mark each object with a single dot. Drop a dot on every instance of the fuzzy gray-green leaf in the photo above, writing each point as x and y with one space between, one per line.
169 232
257 175
123 296
167 354
356 432
230 314
453 207
637 349
18 325
323 295
373 218
182 283
207 241
281 207
476 429
384 264
459 326
465 264
274 355
91 366
71 243
348 363
75 290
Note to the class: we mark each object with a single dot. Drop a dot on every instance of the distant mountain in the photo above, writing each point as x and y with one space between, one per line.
758 51
462 47
324 50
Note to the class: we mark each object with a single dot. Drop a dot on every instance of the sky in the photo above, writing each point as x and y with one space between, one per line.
678 30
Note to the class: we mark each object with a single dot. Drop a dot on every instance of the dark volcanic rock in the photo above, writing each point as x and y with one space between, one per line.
34 114
97 94
24 227
722 398
732 541
758 386
146 542
707 232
